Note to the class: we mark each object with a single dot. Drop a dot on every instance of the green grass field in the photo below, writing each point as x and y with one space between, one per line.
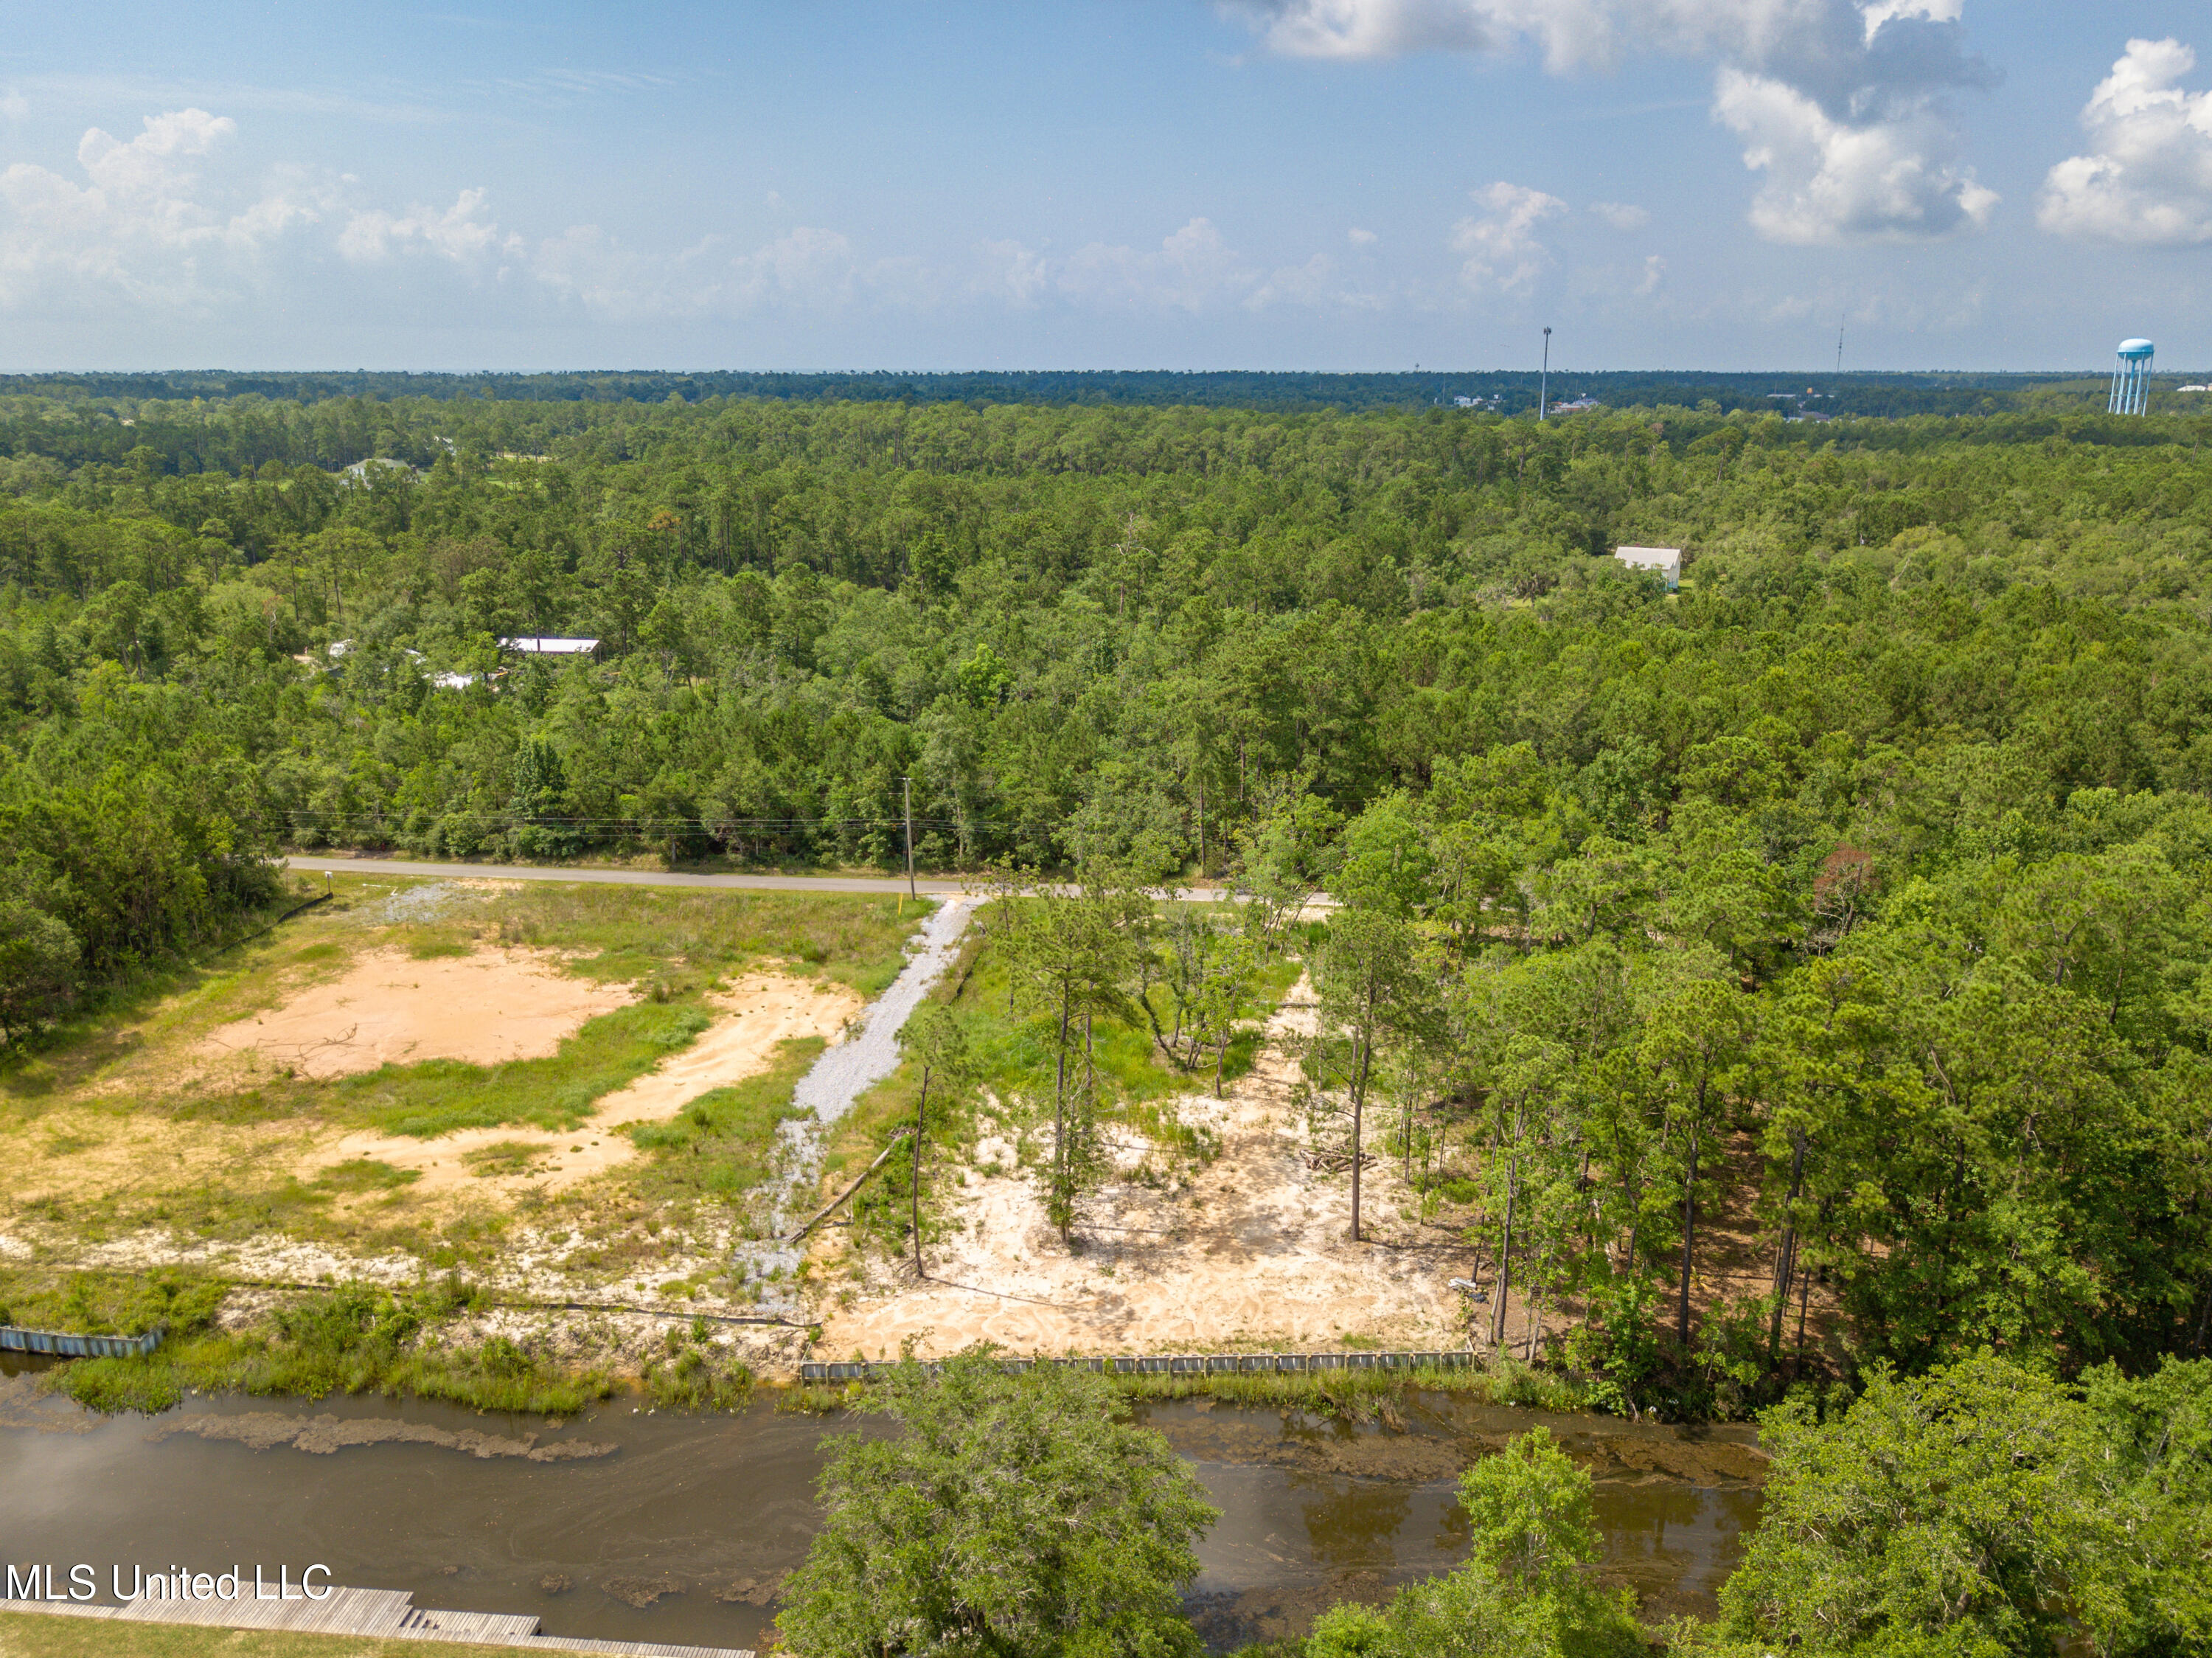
45 1635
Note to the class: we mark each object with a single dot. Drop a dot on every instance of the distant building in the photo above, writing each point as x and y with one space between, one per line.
338 649
1578 405
361 469
1668 561
541 645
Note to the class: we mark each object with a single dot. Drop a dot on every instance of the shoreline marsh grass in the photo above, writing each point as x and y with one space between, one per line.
1351 1396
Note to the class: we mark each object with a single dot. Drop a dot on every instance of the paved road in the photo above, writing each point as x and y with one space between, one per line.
309 863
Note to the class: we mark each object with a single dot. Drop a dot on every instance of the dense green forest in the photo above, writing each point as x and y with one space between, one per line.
1860 891
1870 868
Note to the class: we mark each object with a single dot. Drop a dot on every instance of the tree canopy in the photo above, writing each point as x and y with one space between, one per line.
1010 1517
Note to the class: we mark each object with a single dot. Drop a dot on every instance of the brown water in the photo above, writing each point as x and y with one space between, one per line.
707 1509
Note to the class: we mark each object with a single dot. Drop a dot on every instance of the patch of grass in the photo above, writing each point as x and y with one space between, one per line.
25 1633
77 1303
718 1145
815 1399
220 1210
439 1096
366 1174
435 949
502 1157
857 940
1341 1395
692 1375
1358 1395
352 1339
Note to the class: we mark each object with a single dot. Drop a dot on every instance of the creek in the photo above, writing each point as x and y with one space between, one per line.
670 1527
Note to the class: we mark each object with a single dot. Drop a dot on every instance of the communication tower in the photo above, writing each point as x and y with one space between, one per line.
2130 378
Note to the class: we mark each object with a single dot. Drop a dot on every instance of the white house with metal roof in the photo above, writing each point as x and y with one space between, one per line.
1667 561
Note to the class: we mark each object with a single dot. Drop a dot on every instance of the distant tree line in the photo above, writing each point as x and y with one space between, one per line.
1507 391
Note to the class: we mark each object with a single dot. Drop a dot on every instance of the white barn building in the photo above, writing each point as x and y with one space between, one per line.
1668 561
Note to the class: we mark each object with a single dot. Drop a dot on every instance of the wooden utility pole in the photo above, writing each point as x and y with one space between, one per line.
921 1133
907 784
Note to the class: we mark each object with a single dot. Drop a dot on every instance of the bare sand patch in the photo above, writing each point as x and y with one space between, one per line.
755 1014
758 1012
1256 1253
387 1009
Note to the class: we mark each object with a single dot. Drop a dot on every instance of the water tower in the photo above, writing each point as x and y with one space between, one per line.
2130 377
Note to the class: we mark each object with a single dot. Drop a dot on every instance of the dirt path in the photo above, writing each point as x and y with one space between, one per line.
1254 1253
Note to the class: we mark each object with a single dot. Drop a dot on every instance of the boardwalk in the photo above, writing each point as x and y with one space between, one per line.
389 1614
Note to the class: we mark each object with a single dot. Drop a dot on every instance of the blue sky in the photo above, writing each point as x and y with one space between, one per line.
1325 183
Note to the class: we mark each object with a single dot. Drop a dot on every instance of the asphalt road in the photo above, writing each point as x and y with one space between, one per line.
309 863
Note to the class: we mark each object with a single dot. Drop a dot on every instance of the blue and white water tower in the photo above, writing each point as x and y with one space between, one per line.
2131 378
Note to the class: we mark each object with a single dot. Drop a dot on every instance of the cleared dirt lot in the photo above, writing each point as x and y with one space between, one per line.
388 1008
404 1066
1254 1252
751 1019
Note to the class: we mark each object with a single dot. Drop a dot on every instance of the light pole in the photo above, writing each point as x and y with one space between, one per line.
1544 381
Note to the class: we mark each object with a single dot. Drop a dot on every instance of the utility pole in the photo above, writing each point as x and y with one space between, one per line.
1544 382
907 784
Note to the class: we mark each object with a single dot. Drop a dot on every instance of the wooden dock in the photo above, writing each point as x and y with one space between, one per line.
389 1614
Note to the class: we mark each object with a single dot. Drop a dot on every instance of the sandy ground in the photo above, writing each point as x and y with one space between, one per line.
485 1008
622 1327
757 1012
1254 1254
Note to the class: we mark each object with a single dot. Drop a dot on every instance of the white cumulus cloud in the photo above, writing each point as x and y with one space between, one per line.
1500 245
1190 267
1829 180
1874 13
2148 179
170 221
462 233
1840 101
144 223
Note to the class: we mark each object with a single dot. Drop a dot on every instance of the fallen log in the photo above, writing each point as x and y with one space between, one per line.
824 1213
